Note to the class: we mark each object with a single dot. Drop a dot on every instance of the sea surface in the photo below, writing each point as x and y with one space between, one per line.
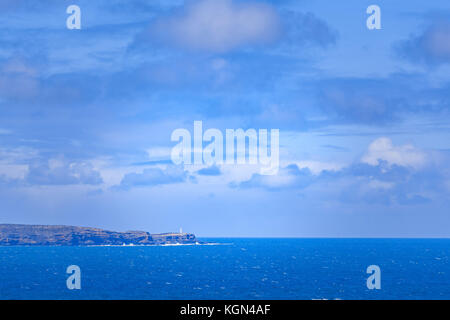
232 269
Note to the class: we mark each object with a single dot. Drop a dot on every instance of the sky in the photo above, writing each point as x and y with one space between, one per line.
86 115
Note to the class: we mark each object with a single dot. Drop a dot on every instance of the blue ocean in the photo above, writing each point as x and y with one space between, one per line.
233 269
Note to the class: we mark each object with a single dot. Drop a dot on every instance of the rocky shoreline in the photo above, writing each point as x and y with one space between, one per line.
48 235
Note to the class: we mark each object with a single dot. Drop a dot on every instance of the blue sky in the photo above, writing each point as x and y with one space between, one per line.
86 115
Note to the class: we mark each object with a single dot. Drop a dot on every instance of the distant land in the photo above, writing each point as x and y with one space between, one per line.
48 235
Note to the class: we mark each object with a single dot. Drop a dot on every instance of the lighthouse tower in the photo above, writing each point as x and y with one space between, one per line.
181 230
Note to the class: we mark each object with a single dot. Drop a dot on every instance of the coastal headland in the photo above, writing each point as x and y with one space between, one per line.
51 235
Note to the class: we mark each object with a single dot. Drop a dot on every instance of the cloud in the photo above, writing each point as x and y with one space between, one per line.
153 177
382 174
210 171
396 179
380 101
303 29
56 172
217 26
359 100
432 47
388 184
18 80
290 177
382 149
8 181
381 183
387 174
23 82
316 167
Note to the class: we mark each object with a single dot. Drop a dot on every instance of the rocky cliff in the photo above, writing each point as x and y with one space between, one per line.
43 235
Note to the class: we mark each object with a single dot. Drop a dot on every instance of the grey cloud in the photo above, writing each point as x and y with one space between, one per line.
431 47
153 177
303 29
62 174
383 183
379 101
216 26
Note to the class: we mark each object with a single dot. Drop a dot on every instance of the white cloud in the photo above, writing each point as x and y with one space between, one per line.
316 167
218 25
383 149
